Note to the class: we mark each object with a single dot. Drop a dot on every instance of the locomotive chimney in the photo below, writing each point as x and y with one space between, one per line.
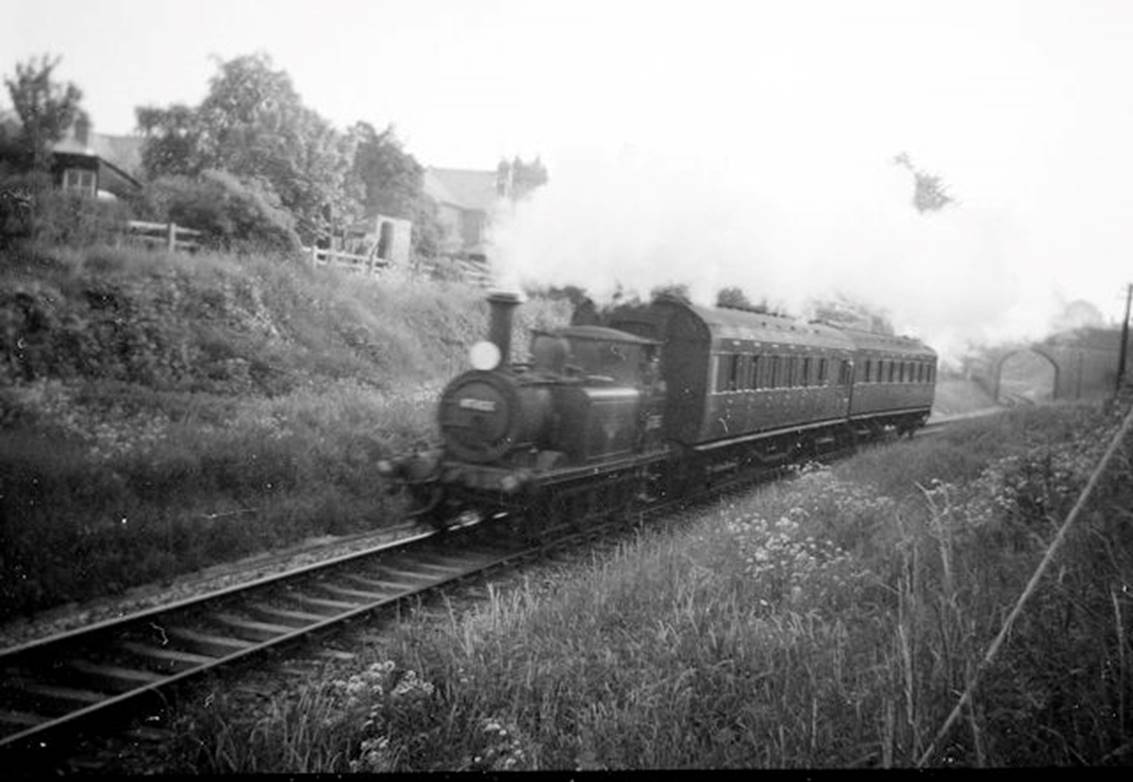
499 329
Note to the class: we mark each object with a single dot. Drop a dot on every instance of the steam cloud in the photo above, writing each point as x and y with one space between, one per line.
789 230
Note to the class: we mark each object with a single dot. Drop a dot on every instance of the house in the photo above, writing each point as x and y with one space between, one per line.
97 164
466 201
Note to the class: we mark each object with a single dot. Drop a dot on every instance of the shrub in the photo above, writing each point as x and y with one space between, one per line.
31 208
235 214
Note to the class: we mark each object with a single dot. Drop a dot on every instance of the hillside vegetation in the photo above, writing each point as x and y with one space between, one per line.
827 621
160 412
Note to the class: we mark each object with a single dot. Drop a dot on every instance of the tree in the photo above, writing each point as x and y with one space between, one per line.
929 191
46 108
733 297
253 125
391 182
172 140
677 290
391 179
847 313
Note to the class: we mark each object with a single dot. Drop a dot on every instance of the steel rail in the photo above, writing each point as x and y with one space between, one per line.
32 671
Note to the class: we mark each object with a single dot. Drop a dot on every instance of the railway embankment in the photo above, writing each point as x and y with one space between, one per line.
163 413
831 620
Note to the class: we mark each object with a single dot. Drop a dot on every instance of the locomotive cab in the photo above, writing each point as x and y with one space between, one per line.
607 403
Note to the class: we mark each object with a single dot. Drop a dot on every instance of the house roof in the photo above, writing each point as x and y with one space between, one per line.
465 188
122 152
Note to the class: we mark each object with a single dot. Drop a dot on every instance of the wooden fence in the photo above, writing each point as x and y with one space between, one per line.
471 271
363 264
175 237
166 235
468 270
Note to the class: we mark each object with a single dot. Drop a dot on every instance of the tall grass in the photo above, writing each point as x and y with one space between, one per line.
822 622
160 413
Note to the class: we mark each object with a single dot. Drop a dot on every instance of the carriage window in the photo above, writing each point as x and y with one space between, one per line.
822 371
734 372
804 375
892 370
901 372
773 381
792 372
866 370
753 373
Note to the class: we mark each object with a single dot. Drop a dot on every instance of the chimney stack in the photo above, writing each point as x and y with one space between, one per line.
499 329
82 129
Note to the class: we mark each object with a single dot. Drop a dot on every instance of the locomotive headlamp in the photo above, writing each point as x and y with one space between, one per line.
484 356
385 467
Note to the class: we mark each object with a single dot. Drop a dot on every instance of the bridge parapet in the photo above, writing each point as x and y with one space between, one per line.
1080 371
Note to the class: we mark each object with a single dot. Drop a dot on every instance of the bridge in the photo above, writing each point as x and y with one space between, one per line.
1083 364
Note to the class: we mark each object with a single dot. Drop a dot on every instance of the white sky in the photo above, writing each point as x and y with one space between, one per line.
709 142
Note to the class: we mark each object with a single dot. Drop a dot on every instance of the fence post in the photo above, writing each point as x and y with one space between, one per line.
171 236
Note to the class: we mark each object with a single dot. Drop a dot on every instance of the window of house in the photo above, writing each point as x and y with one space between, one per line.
79 180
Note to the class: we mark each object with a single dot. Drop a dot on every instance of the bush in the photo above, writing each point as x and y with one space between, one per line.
33 209
235 214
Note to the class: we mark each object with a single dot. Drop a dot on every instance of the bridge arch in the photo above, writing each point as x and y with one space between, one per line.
997 372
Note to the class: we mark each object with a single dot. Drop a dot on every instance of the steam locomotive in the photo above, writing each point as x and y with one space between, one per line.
652 401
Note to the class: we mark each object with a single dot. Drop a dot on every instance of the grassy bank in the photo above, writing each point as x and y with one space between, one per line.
831 620
160 413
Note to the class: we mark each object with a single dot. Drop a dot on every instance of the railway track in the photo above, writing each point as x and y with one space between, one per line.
86 680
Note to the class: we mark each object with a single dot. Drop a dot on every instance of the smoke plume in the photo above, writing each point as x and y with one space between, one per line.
788 231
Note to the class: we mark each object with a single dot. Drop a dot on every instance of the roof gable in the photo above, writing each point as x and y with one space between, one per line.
465 188
122 152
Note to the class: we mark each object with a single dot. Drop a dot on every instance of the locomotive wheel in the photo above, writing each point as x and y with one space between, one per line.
433 507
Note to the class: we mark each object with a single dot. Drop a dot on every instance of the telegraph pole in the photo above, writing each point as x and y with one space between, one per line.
1124 338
